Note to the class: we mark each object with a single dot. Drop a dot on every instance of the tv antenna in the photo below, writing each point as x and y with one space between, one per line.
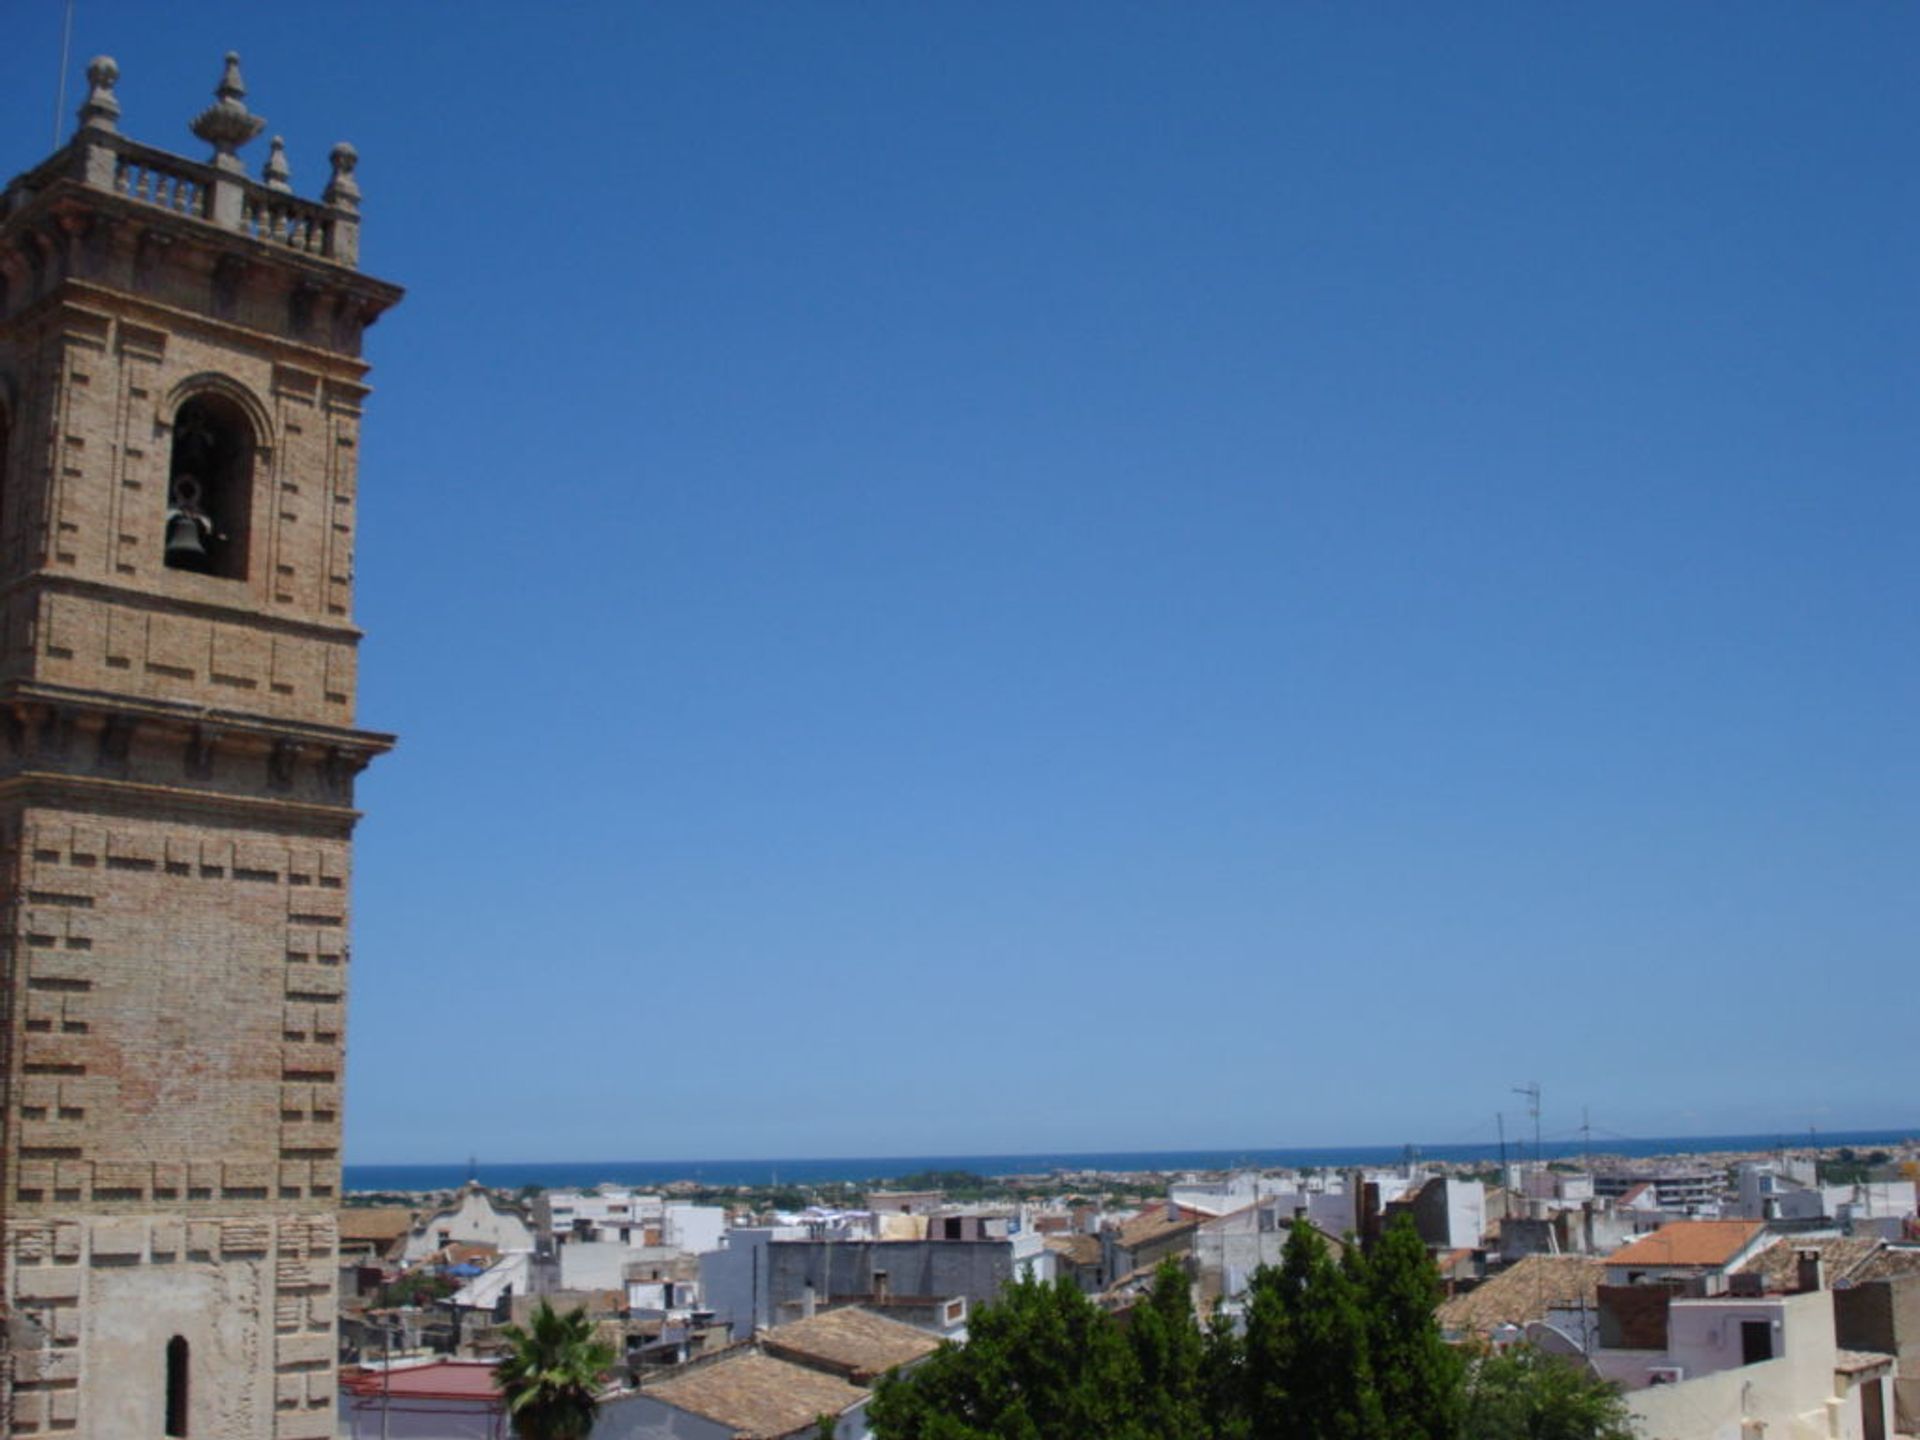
1532 1091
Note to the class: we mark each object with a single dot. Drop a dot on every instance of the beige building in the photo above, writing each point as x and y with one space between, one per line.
180 403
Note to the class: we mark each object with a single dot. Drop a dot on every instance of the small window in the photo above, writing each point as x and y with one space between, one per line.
177 1386
1756 1342
209 488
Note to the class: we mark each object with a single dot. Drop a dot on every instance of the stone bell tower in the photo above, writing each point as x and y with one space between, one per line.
180 400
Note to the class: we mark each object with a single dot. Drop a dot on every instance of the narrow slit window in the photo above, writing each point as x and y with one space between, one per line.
209 488
177 1386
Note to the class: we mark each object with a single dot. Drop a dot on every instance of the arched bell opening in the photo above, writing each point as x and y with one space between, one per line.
209 488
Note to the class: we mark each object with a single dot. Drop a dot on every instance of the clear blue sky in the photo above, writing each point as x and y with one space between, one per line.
1017 576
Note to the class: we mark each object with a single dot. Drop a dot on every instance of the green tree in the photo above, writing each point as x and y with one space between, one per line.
416 1287
1522 1394
551 1376
1416 1374
1169 1355
1308 1375
1223 1378
1043 1361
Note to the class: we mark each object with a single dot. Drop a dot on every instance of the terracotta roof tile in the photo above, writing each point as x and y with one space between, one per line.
1889 1262
1842 1257
1078 1249
1854 1362
1524 1293
439 1380
757 1396
860 1344
1704 1243
1156 1224
376 1224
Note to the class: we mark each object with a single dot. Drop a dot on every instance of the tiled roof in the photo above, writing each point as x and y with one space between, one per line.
1079 1249
1842 1256
1853 1362
1889 1262
1706 1243
861 1345
1524 1293
1156 1224
757 1396
376 1224
440 1380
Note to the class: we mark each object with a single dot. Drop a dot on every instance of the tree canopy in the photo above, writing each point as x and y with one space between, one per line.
1330 1349
551 1376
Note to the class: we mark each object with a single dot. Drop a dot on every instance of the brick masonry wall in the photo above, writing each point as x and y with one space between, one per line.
177 756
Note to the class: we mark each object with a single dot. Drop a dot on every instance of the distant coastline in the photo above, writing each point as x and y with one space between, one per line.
511 1175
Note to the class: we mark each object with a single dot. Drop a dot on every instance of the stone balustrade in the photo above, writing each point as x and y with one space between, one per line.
218 192
161 179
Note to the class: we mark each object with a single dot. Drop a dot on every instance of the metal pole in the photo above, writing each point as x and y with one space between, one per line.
386 1379
60 96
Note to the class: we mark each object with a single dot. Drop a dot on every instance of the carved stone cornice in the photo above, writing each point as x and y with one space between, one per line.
58 788
264 731
77 292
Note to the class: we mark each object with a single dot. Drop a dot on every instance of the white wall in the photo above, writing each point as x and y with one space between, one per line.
694 1229
1792 1395
1466 1213
472 1220
1705 1335
594 1265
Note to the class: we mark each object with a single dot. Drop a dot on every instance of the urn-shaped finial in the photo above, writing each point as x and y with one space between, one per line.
343 191
101 110
227 124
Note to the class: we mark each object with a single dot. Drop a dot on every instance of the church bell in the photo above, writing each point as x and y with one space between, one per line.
185 550
187 527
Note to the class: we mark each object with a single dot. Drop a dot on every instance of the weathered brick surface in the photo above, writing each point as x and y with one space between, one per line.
177 760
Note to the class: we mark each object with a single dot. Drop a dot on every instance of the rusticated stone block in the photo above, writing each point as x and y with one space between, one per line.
119 1239
48 1282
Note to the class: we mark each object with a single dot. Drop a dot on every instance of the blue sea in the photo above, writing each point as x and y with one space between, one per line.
569 1174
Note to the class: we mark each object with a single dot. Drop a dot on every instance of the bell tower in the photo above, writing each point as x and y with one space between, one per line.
181 388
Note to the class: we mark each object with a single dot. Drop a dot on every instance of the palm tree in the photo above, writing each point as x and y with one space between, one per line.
552 1377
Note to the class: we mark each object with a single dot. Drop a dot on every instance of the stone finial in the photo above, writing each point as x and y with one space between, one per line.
102 110
275 171
343 191
227 125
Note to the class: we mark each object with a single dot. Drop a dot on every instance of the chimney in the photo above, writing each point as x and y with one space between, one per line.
1808 1270
1173 1213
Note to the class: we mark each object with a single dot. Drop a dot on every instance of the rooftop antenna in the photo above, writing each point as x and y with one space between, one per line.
1500 1122
1532 1091
66 52
1586 1140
